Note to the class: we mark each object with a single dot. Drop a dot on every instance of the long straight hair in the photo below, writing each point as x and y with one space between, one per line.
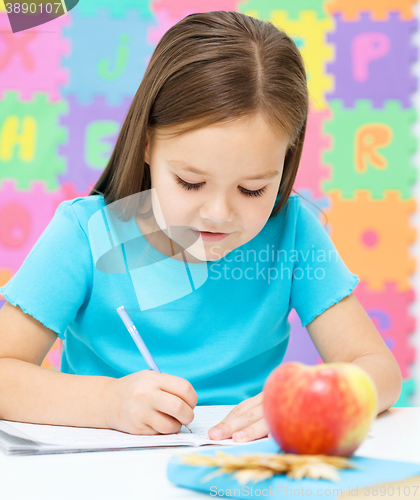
208 68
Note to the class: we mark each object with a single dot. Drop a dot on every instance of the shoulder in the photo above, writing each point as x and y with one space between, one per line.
294 209
294 202
302 211
83 208
298 203
298 217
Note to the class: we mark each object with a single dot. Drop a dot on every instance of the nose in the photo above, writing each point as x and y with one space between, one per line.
217 209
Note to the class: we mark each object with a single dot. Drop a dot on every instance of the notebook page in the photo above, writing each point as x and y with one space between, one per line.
90 438
206 417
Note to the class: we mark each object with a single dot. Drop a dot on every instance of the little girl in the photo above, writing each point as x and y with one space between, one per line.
194 229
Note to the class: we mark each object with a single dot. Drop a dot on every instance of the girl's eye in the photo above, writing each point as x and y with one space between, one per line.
246 192
186 185
258 192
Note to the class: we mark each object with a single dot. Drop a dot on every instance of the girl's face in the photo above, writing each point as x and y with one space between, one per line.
221 178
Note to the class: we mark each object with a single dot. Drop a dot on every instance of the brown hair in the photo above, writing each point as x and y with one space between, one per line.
212 67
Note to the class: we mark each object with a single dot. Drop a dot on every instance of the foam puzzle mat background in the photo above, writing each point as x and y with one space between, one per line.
62 106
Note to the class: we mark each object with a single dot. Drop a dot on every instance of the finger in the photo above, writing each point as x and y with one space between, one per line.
236 423
164 424
174 406
255 431
241 409
222 430
143 430
177 386
148 430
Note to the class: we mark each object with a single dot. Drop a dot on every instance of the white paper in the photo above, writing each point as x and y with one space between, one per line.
41 438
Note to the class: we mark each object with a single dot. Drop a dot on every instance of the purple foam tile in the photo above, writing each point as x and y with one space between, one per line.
78 122
300 347
373 60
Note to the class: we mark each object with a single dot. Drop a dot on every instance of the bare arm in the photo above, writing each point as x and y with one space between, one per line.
30 393
387 377
344 332
143 402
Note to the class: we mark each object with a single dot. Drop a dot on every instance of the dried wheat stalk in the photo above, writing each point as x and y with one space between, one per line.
257 467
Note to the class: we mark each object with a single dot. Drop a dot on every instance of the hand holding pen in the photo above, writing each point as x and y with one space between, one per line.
142 346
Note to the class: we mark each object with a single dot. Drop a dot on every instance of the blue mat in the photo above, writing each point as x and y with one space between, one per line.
372 471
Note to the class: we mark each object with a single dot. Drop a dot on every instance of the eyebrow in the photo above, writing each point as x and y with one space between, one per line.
186 167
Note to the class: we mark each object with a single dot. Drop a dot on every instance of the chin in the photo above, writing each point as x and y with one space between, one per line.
197 251
201 256
205 256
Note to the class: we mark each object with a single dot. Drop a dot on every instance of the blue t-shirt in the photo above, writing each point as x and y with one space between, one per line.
222 325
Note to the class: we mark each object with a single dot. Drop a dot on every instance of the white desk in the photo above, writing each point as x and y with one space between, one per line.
141 474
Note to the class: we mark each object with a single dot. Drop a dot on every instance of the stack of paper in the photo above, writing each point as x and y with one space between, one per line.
30 439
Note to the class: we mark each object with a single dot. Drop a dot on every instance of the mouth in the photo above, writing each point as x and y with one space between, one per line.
209 235
212 232
207 232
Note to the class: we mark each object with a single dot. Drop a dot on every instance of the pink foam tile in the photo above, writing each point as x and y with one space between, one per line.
30 60
312 170
165 19
389 311
177 8
24 215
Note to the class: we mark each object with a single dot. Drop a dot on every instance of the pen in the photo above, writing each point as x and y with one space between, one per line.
151 363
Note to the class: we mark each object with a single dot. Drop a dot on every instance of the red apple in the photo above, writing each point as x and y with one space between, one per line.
323 409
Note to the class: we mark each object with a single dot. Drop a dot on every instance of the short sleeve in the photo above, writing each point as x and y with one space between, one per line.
320 277
56 277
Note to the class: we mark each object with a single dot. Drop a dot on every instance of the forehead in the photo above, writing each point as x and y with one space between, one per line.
249 148
183 166
246 150
244 124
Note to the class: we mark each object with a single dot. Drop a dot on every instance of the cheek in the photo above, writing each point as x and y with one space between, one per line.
175 207
258 213
252 224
